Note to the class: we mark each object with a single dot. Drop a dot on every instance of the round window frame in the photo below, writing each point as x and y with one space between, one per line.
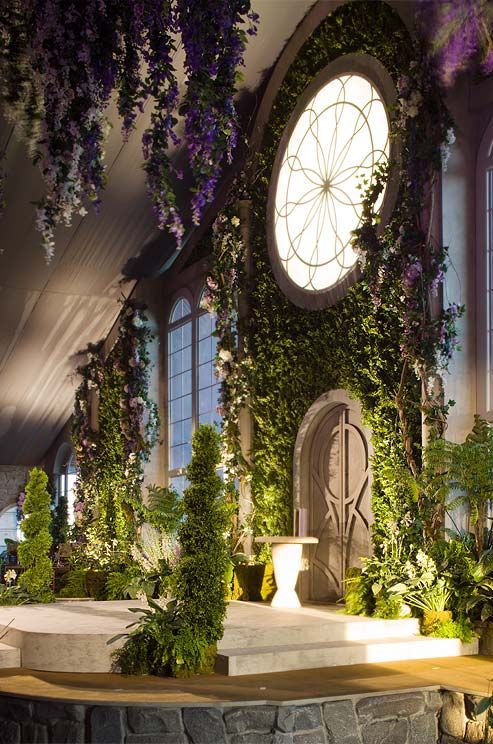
374 71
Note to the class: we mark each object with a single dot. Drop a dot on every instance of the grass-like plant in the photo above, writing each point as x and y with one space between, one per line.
34 551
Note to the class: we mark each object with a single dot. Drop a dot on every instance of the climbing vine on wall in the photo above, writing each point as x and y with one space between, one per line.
385 337
115 426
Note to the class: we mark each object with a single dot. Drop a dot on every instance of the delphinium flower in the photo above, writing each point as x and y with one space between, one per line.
459 32
78 73
161 84
214 44
61 61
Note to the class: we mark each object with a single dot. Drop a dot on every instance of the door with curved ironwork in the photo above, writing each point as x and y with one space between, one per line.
339 500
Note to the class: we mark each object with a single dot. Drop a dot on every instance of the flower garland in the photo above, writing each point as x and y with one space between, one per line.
233 361
458 33
110 461
61 61
403 267
214 44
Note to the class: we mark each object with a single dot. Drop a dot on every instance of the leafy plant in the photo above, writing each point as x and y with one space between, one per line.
461 629
74 583
162 643
473 473
479 605
10 592
390 607
35 549
118 583
178 637
356 594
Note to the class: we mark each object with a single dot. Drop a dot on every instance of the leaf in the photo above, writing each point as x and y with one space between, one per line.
486 612
399 588
483 705
376 588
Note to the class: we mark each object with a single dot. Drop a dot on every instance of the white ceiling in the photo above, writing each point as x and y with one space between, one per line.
48 313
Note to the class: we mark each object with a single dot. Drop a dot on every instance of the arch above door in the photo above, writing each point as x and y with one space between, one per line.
331 481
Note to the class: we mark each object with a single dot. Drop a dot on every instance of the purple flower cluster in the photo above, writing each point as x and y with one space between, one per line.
458 32
214 45
61 61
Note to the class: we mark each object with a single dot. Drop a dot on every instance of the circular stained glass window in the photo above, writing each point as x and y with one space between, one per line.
333 143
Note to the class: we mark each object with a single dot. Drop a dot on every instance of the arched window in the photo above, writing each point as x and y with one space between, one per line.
65 473
484 275
192 385
335 141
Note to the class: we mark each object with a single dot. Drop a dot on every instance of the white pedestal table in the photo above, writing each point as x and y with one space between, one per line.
286 557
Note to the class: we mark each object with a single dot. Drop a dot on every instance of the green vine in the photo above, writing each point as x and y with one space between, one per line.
364 344
111 456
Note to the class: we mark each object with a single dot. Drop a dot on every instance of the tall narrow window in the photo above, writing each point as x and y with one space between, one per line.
192 385
207 385
180 392
489 259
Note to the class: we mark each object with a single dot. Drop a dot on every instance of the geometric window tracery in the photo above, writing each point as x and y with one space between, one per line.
337 141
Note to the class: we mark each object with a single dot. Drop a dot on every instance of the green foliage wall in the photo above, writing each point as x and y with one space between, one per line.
301 354
111 456
35 549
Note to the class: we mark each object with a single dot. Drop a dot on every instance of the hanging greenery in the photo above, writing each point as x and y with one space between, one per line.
110 455
233 362
385 337
60 63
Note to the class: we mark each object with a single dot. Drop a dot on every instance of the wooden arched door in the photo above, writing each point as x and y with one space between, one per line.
338 473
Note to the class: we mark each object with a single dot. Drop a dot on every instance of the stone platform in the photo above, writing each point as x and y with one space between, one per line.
78 636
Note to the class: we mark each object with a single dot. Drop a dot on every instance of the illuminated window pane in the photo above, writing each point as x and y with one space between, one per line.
192 385
337 141
8 526
181 310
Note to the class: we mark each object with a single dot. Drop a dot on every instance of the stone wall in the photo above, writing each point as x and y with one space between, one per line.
458 723
403 718
12 481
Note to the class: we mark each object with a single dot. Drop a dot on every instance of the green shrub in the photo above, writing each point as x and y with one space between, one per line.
388 606
461 629
357 597
74 584
202 568
95 584
34 551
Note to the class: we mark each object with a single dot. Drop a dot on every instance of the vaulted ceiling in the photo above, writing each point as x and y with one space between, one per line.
49 313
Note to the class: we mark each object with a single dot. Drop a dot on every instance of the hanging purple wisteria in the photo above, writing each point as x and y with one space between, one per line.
459 34
61 61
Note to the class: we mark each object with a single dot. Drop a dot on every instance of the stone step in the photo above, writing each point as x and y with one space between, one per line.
278 658
336 628
10 656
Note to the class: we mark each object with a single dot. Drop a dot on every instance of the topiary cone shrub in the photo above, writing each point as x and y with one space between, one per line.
201 572
34 551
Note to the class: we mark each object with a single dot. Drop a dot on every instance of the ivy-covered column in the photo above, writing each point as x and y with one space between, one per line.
245 421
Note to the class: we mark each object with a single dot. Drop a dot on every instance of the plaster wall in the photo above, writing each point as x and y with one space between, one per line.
458 232
12 481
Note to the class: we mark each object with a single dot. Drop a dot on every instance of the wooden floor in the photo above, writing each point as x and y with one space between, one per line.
473 674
